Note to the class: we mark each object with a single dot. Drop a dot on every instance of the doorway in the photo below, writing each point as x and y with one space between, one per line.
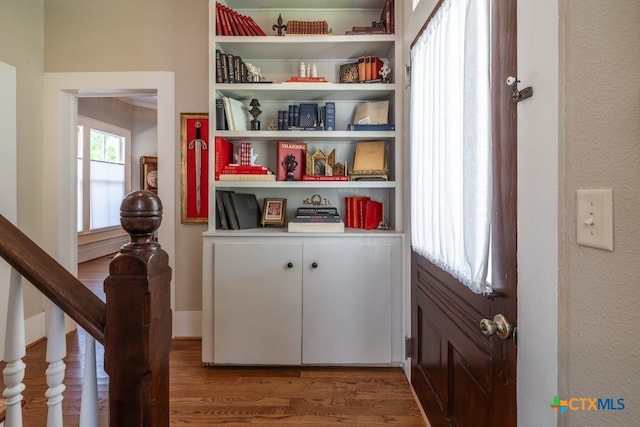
61 94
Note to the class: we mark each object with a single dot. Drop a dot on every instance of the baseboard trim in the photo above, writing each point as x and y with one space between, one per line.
415 397
187 324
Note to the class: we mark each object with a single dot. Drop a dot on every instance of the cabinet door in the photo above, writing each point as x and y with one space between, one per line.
346 304
257 303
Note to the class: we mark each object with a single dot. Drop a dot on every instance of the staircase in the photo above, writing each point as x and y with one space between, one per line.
136 316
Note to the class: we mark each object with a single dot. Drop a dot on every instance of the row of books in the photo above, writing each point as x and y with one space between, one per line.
316 219
231 23
385 25
307 27
230 68
308 117
362 212
236 211
369 67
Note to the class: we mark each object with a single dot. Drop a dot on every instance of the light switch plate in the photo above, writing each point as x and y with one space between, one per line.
595 218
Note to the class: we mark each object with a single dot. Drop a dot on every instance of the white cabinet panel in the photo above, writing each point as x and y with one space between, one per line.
346 303
257 303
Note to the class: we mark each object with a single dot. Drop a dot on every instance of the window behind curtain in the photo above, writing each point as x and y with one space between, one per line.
102 156
450 138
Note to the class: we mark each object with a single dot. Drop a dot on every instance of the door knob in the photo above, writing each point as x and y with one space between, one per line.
499 326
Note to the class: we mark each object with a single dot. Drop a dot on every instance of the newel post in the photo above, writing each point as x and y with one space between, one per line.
138 325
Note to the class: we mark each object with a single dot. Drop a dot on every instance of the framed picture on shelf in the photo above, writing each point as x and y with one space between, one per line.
149 173
194 170
274 211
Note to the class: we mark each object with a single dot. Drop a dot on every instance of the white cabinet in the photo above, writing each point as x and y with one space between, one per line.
302 301
346 302
257 303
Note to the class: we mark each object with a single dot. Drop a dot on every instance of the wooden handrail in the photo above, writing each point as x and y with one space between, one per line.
134 324
52 279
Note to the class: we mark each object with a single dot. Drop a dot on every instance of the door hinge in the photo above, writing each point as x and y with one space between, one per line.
407 76
408 347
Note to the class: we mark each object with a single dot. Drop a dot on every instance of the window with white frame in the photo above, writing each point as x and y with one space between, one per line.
103 173
450 134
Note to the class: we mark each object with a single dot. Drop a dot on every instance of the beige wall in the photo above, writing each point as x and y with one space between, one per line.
142 35
599 302
21 45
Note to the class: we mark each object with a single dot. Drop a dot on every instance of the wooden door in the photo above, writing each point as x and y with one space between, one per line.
462 377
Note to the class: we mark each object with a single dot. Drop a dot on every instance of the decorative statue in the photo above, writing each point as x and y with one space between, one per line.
290 164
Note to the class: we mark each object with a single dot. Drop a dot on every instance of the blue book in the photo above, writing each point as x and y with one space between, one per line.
330 116
307 115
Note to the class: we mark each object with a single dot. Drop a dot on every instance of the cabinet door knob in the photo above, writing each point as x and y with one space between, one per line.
314 265
290 265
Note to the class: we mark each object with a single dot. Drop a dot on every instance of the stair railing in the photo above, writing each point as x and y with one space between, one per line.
134 324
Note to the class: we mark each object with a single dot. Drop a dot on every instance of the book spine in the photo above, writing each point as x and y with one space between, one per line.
325 178
228 208
222 216
221 120
231 68
245 153
317 211
238 23
362 73
317 218
330 116
247 177
316 227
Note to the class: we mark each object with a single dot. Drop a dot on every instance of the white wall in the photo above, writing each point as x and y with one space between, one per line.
599 306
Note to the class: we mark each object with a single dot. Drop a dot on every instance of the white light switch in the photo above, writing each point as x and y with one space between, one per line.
595 218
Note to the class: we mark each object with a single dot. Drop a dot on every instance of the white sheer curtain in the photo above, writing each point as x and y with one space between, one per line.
451 142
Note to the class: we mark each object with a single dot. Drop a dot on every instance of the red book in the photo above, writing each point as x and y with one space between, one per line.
354 210
223 155
224 26
299 152
256 27
218 21
227 21
372 214
237 169
238 22
247 26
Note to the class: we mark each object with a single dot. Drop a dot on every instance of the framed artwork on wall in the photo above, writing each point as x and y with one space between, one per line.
149 173
194 134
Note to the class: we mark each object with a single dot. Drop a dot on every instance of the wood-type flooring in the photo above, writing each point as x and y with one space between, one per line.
235 396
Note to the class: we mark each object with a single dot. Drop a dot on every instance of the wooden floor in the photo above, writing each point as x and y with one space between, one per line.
236 396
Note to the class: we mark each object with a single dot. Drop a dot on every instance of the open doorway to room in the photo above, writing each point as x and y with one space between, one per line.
114 134
63 91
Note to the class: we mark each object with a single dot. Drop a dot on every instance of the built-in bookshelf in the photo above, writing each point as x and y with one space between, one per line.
278 252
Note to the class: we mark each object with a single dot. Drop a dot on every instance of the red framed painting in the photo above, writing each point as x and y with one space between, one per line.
194 136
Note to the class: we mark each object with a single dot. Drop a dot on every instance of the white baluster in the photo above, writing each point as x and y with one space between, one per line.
56 351
14 351
89 404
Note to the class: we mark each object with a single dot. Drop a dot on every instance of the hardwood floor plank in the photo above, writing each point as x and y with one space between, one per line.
235 396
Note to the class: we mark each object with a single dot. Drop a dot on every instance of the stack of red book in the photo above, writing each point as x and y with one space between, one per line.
236 172
362 212
231 23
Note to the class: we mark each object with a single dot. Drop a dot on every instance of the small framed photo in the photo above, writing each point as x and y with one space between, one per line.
149 173
274 211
